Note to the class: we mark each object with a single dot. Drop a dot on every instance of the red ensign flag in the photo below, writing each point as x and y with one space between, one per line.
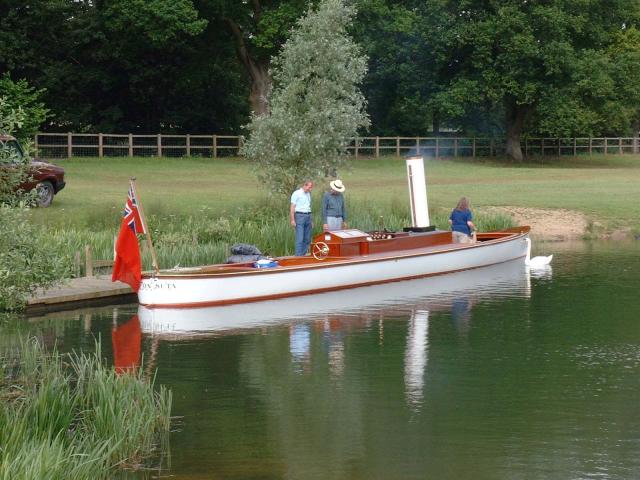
127 266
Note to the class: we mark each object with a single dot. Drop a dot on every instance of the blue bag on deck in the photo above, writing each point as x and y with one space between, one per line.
265 263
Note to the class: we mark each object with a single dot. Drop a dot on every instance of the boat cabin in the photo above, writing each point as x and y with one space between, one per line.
350 243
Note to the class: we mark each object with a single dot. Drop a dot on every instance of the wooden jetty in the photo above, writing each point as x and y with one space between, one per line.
81 291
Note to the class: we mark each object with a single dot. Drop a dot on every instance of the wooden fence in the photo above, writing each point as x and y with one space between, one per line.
67 145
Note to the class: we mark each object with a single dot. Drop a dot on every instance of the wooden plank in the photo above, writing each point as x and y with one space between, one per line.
69 145
78 290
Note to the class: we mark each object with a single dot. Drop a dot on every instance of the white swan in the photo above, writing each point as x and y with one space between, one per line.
535 262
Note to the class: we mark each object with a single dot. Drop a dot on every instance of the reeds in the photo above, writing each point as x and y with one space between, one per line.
70 416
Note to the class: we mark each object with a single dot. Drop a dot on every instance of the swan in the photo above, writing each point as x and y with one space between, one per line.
535 262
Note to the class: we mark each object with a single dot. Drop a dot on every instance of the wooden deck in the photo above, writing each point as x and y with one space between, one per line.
79 292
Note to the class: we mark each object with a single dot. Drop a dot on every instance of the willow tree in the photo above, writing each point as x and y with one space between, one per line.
316 103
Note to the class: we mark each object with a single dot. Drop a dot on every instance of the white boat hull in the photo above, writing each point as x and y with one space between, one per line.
193 290
510 279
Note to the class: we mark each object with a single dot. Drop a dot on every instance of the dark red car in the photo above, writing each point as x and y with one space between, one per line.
47 178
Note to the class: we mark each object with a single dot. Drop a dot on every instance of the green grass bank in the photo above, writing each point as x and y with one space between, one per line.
197 206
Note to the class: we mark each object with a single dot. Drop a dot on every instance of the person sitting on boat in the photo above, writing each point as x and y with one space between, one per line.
461 222
334 213
300 213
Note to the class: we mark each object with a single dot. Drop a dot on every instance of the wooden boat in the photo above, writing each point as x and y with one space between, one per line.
339 260
437 293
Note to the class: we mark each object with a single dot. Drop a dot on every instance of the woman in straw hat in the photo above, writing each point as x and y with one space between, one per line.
334 213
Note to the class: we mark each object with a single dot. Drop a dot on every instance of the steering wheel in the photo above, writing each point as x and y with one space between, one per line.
320 250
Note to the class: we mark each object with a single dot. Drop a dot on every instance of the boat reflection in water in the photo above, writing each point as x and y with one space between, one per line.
332 315
456 291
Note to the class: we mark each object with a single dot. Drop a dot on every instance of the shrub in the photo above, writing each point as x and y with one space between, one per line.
29 258
20 96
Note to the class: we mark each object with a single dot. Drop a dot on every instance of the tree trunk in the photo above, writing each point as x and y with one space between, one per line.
436 123
260 88
516 116
258 71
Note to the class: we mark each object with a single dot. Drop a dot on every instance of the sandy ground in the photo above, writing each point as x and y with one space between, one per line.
548 224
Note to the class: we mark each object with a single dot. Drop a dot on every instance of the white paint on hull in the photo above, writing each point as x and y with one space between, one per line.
509 279
194 290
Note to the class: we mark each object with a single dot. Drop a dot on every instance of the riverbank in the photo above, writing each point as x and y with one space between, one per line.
561 198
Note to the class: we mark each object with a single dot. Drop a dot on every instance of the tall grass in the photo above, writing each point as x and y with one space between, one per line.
73 417
206 237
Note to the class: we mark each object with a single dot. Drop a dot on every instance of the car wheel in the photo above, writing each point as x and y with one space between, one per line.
45 193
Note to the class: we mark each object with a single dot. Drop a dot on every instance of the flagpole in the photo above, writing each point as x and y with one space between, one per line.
154 259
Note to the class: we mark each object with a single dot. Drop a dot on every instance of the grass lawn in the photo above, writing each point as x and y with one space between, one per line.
600 187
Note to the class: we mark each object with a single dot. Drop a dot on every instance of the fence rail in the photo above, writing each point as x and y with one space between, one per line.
67 145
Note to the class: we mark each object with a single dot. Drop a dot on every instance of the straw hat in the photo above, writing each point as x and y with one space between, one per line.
337 186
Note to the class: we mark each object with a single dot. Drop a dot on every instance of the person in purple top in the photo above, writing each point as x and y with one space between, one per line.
461 222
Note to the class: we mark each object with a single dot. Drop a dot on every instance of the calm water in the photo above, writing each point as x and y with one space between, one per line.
499 373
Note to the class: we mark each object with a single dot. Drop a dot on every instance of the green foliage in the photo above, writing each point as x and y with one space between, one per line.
19 95
316 106
29 258
73 417
14 165
159 20
550 58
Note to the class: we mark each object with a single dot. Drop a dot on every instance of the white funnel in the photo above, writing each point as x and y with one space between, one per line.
417 192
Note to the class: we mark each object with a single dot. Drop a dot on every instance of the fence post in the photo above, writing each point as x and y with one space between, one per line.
100 146
188 145
69 144
559 143
437 147
130 145
355 146
635 143
590 145
455 147
606 146
88 261
473 152
620 145
398 147
159 144
377 147
240 144
575 146
76 263
35 144
215 146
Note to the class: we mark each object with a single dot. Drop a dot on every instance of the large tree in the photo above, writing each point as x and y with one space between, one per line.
316 105
512 56
125 65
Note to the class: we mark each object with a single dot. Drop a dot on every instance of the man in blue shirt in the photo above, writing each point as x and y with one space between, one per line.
300 214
